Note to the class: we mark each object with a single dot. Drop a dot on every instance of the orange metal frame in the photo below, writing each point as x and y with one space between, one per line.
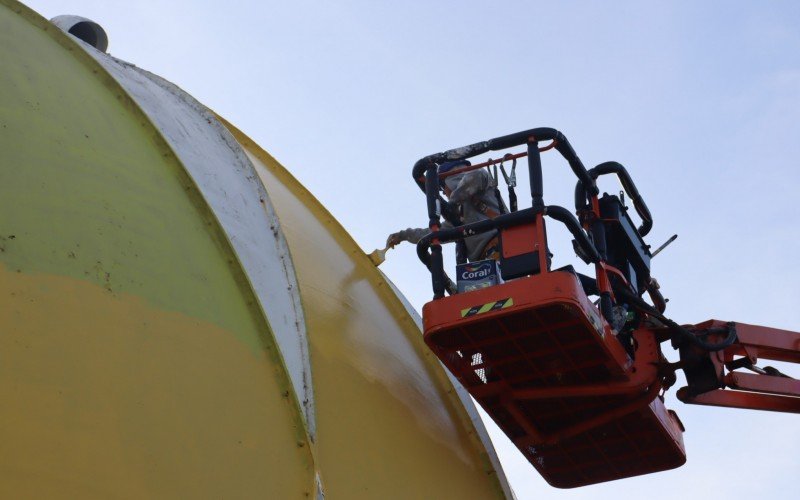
552 374
758 391
545 364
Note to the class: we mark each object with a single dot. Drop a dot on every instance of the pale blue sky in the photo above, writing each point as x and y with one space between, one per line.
700 100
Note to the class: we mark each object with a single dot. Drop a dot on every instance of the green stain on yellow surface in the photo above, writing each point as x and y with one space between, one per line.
134 359
90 190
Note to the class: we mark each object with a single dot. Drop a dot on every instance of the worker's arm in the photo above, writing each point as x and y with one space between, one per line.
470 184
411 235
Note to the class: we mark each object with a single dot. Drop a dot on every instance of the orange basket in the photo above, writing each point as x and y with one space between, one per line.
544 364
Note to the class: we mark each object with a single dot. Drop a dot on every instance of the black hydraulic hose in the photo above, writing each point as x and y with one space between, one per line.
676 329
612 167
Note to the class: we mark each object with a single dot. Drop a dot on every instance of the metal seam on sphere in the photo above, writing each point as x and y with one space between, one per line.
229 184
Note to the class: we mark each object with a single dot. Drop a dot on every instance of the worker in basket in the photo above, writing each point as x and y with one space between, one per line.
475 197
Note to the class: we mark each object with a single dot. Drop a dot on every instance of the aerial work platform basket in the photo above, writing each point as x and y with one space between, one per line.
580 403
546 366
578 386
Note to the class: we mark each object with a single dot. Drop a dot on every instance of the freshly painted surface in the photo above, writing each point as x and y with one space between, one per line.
229 184
464 397
389 422
106 396
135 360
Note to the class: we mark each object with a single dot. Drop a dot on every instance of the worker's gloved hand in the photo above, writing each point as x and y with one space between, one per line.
411 235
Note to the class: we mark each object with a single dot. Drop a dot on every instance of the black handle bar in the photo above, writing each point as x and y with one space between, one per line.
517 218
612 167
533 135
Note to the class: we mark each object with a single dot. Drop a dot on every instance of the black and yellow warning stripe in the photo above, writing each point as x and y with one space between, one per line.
483 308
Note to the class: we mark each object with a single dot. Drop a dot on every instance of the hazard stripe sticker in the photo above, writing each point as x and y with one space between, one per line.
484 308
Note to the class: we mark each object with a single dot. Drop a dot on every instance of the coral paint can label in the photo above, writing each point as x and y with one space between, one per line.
477 275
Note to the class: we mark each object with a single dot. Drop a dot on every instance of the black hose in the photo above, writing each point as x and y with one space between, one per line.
677 330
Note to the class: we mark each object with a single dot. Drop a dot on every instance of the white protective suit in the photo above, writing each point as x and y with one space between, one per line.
468 190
